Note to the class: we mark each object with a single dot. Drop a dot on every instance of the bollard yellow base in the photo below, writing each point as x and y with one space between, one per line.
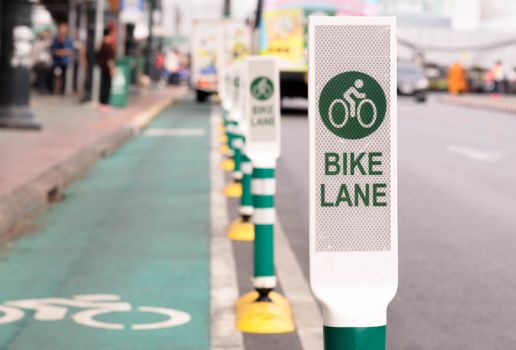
240 230
227 164
233 190
224 149
223 138
264 317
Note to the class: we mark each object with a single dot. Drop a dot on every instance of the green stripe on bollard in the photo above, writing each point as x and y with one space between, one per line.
263 201
237 144
247 170
354 338
231 127
264 250
225 117
263 173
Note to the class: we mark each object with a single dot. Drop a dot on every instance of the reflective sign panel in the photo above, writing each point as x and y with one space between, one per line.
352 137
262 105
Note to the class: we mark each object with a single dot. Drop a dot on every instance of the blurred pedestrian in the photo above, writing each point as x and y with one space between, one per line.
172 66
106 61
62 50
457 82
498 73
42 61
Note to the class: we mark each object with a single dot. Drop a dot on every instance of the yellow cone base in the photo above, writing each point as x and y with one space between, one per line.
264 317
233 190
224 149
240 230
227 164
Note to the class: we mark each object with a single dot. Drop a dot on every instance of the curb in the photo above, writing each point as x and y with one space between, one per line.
458 101
25 202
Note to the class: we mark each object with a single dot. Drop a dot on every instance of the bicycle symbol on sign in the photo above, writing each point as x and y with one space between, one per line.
353 111
56 309
262 88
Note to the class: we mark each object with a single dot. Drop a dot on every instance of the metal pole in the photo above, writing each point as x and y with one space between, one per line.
227 8
99 28
150 38
15 65
72 24
83 38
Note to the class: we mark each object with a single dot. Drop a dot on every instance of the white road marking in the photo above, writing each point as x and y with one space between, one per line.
175 318
157 132
475 154
56 309
224 286
10 314
295 286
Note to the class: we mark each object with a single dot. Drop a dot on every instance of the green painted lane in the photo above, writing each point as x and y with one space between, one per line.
136 227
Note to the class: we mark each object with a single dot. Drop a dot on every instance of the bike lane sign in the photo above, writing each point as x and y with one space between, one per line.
353 177
262 107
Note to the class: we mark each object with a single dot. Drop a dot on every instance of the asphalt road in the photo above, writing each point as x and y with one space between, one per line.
457 224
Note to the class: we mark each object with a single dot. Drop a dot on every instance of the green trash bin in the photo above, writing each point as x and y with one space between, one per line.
120 82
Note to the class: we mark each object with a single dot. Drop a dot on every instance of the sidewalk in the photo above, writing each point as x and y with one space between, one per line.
134 236
36 166
502 103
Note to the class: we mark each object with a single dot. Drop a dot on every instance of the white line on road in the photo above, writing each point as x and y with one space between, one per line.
297 291
224 285
152 132
475 154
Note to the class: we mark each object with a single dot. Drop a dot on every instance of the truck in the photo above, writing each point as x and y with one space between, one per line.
204 52
216 44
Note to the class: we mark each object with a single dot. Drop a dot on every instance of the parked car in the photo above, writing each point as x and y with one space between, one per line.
412 81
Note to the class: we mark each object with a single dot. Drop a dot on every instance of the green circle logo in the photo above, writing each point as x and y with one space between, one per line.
262 88
352 105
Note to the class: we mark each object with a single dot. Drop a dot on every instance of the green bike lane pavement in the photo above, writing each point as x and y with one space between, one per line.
137 226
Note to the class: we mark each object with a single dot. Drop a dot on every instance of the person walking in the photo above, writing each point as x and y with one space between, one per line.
62 50
498 72
106 61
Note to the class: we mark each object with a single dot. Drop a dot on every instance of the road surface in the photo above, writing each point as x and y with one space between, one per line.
457 224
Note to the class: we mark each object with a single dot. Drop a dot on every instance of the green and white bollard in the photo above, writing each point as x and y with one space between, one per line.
264 311
263 190
228 164
242 228
223 138
234 188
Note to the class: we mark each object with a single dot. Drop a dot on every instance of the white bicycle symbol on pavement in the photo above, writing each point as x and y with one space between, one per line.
353 111
56 309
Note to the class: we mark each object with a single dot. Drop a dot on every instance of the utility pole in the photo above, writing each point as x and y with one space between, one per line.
227 8
150 38
15 64
72 24
99 29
